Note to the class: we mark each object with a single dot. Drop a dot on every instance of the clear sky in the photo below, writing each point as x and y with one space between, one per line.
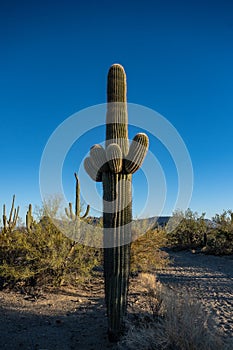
178 57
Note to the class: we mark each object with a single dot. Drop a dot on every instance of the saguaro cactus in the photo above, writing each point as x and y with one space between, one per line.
75 217
10 223
114 166
69 211
29 219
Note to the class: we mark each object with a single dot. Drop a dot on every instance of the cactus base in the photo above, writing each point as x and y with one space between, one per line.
115 336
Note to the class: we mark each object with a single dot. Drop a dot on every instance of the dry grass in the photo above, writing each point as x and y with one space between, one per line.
175 322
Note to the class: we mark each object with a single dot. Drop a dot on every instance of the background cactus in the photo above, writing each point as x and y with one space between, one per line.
114 166
10 223
69 211
76 218
29 219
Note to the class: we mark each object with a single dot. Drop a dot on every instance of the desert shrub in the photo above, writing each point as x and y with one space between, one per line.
188 230
220 236
174 322
43 256
146 254
219 242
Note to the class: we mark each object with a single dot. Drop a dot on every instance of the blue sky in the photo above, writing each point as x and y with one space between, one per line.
178 58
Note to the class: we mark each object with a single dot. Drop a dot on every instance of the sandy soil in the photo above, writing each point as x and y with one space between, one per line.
75 318
207 278
68 318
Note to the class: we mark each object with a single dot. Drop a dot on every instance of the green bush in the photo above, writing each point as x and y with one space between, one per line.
186 230
146 254
189 230
44 256
220 237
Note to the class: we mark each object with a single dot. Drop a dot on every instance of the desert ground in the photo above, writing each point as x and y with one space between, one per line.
75 318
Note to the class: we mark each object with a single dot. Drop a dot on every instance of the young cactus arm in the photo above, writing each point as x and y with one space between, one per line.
9 224
137 152
72 215
114 157
86 212
15 217
12 209
67 213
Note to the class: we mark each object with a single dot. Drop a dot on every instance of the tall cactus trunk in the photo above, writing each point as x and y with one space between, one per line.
117 191
117 231
114 166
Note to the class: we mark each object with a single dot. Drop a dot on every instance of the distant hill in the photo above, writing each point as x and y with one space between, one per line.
152 221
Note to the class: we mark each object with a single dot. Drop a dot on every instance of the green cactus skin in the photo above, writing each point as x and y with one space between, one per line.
69 212
9 224
29 219
114 167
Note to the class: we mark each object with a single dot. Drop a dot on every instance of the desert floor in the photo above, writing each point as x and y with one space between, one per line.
75 318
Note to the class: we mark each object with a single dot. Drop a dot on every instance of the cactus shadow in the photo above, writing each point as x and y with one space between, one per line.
84 326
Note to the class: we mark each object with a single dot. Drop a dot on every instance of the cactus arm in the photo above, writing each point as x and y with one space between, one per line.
15 217
137 152
114 157
92 170
10 223
67 213
86 212
72 215
99 159
12 209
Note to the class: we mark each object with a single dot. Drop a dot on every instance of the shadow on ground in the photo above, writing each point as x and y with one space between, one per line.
84 328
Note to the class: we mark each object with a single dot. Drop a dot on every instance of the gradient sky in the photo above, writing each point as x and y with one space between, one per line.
178 57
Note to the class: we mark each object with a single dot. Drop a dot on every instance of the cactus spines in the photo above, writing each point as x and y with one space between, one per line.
69 212
114 157
137 152
9 224
116 176
92 169
98 156
29 219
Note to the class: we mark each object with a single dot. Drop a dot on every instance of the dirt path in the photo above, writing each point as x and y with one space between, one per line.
207 278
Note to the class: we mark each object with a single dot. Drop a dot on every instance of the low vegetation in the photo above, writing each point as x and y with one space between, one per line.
190 231
40 255
146 253
170 322
43 256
